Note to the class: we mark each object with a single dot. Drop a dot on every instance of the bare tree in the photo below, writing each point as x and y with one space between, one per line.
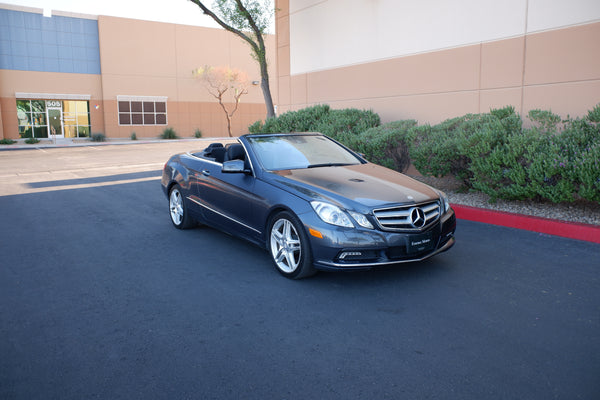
222 80
248 19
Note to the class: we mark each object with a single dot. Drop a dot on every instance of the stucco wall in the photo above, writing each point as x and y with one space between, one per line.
432 60
158 60
136 58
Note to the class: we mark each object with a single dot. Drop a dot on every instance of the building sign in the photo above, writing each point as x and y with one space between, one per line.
53 103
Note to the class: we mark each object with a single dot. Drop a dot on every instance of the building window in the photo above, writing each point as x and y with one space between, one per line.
33 117
76 118
142 110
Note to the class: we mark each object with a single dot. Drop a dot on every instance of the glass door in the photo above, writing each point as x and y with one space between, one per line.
55 124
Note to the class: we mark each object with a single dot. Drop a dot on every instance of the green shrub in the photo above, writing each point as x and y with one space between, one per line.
133 136
555 160
169 133
347 121
98 137
546 121
435 149
386 145
565 166
7 141
320 118
256 127
450 147
32 140
304 120
594 115
197 133
501 171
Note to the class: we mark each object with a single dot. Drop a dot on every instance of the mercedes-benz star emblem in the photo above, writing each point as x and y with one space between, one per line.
417 217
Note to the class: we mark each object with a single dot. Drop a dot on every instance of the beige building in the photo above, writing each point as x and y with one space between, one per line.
436 59
73 75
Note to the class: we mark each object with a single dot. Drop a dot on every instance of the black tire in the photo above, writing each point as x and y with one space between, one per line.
178 211
289 247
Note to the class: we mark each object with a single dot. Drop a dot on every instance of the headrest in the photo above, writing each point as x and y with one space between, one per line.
218 153
236 152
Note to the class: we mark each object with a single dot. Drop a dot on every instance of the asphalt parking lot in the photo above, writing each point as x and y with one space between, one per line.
100 297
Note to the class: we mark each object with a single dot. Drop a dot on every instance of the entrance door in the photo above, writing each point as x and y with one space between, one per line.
55 124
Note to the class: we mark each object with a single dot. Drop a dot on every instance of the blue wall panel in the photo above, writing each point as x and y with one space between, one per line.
32 42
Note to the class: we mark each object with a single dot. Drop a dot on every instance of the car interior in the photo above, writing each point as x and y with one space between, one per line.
219 153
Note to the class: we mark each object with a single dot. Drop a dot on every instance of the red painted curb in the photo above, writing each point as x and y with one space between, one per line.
590 233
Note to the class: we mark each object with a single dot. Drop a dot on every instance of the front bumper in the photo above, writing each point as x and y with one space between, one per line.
360 249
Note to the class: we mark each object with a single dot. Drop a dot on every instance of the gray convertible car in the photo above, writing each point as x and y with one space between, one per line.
311 202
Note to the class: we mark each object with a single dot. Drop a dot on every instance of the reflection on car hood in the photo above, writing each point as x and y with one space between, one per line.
368 184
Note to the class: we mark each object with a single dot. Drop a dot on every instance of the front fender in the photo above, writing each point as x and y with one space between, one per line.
175 172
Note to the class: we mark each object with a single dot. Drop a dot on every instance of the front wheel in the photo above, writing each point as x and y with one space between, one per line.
289 247
178 209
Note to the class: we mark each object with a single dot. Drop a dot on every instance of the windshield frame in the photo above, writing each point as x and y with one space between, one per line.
271 161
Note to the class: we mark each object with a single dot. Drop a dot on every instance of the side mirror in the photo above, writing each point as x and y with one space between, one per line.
234 167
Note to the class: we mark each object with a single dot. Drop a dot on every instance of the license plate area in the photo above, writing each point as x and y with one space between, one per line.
420 243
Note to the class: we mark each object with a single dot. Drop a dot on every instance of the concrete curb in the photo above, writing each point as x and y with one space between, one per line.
590 233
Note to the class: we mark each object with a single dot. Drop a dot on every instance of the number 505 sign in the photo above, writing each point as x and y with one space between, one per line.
52 103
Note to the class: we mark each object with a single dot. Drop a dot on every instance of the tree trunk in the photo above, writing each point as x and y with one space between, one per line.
264 84
226 116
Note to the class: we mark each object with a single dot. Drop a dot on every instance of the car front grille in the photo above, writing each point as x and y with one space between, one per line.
408 218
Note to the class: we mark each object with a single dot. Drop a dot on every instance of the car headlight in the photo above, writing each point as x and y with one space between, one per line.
361 219
445 201
331 214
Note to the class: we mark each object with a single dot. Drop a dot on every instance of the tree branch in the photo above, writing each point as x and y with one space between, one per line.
257 45
227 27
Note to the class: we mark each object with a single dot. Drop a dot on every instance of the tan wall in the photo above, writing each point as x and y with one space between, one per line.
158 60
186 117
557 70
144 58
47 82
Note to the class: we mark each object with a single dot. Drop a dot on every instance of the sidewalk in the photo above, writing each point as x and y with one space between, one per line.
63 143
548 226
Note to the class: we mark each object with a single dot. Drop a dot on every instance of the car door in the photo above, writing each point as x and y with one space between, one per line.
188 176
229 200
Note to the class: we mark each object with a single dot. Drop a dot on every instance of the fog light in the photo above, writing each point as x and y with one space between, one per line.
350 254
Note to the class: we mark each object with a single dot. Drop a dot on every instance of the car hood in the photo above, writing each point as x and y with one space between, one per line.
367 184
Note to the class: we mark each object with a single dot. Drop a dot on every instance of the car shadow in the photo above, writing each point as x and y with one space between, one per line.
95 179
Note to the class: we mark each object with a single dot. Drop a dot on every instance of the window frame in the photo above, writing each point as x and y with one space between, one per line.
142 110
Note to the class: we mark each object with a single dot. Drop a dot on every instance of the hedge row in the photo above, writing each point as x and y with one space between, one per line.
556 160
320 118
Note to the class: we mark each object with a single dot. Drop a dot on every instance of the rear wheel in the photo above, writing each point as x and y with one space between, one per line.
178 209
289 248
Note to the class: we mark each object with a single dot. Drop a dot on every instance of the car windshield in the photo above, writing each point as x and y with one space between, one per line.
299 151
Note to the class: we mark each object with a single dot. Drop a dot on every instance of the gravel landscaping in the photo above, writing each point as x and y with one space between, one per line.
579 212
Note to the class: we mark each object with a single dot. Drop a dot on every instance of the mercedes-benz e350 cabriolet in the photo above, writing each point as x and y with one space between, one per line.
311 202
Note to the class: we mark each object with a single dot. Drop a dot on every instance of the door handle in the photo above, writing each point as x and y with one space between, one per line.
205 172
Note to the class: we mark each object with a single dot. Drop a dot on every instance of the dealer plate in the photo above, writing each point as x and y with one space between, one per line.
419 243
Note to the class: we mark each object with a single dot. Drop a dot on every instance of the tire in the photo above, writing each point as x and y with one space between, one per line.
180 217
289 247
